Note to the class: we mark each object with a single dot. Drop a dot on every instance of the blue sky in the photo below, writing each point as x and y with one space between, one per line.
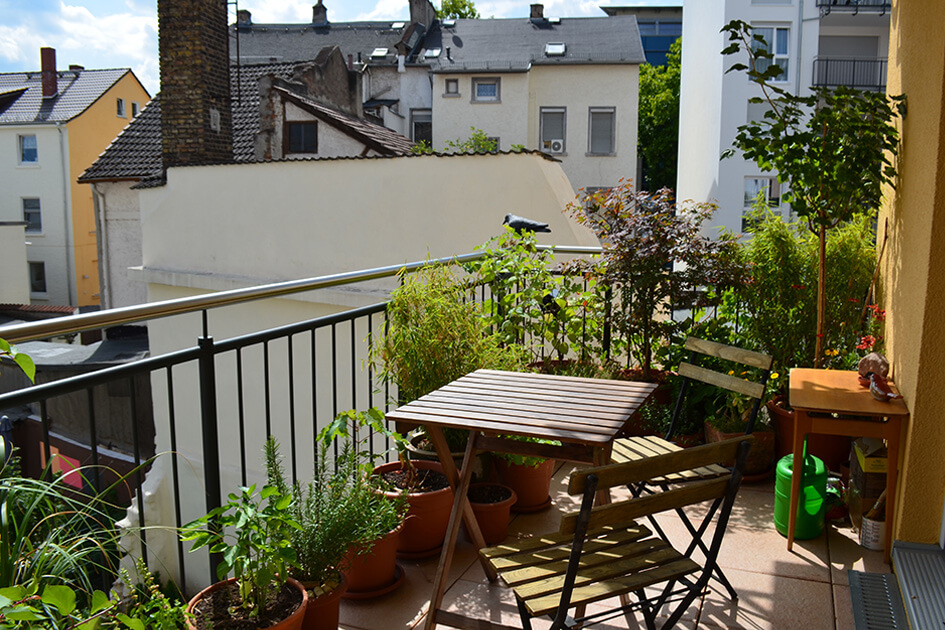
123 33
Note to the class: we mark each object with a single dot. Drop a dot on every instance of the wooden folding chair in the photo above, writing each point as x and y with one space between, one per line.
645 447
601 552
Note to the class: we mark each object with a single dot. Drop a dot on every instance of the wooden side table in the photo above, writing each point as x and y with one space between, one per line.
818 394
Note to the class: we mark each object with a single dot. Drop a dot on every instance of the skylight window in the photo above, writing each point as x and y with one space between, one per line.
379 52
432 53
554 49
397 25
554 20
449 23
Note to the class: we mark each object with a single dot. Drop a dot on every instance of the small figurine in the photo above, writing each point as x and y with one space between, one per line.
873 369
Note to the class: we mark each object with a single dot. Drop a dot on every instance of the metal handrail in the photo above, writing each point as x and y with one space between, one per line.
19 333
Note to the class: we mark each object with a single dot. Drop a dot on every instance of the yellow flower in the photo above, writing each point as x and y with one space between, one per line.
731 372
775 375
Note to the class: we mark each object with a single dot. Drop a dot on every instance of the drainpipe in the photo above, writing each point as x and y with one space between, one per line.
104 269
67 212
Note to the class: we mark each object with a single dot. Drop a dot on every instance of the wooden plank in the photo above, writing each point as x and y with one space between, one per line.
551 430
623 511
527 391
645 469
565 452
732 383
579 382
529 552
455 620
729 353
619 586
637 448
515 406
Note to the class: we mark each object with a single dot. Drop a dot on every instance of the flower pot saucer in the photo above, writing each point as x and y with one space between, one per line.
399 575
419 555
528 509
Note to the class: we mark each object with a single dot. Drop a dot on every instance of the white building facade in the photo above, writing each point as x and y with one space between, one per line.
814 42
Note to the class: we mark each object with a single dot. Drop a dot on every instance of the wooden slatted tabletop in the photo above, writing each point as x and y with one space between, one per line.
584 414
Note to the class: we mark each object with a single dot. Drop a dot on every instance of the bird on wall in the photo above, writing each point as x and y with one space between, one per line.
521 224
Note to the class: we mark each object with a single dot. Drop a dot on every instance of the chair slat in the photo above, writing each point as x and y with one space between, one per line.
624 511
643 470
729 353
732 383
619 586
641 447
511 558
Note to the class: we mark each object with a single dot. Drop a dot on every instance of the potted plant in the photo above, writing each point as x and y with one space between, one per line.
731 421
492 503
528 476
253 532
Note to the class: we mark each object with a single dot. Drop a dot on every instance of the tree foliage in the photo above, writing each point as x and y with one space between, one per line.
659 119
458 9
835 147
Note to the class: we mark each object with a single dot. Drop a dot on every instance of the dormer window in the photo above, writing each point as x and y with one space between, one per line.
555 49
379 53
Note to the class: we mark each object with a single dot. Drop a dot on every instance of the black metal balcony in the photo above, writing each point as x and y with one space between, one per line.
860 73
854 6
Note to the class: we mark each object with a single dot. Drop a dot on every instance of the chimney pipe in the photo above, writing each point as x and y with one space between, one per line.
47 58
319 13
76 67
244 18
350 62
538 11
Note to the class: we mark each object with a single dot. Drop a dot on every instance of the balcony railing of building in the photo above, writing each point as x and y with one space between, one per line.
860 73
213 404
854 6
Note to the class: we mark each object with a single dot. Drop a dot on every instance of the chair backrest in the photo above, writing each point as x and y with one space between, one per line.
629 473
691 371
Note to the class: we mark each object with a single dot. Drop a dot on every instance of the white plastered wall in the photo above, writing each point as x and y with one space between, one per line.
14 279
119 245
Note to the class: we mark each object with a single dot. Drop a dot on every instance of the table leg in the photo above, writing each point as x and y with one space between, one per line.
460 502
801 428
893 428
602 458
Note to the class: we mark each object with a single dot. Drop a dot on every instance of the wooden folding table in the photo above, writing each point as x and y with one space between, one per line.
585 415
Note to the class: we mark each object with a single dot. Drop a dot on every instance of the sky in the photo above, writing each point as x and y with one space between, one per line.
123 33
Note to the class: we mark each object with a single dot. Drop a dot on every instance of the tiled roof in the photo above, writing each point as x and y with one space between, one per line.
77 90
136 152
383 140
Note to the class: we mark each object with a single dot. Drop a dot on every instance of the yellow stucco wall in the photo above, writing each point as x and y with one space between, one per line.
89 134
914 263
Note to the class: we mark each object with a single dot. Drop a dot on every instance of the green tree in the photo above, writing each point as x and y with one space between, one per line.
477 142
659 119
835 147
458 9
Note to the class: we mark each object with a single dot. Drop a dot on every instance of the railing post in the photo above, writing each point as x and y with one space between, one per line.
608 313
211 443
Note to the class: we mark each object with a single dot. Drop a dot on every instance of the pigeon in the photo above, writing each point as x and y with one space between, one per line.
521 224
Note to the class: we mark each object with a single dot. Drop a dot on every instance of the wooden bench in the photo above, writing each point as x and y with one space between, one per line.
602 552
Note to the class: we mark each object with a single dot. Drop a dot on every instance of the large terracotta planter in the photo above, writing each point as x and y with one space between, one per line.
292 622
321 613
834 450
427 518
493 518
761 457
530 483
375 572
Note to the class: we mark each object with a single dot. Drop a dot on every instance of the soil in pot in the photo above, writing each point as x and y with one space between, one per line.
530 483
491 503
375 572
211 608
430 500
321 613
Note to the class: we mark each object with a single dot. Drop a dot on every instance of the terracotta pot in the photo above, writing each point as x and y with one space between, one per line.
760 462
322 611
530 483
373 572
292 622
834 450
493 518
688 440
427 518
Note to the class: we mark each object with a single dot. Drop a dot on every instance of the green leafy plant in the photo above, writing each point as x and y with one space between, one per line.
835 147
656 259
531 461
477 142
457 9
658 137
20 358
255 540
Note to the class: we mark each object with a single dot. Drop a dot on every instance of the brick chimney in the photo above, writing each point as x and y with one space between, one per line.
244 18
538 11
319 13
422 11
47 57
193 46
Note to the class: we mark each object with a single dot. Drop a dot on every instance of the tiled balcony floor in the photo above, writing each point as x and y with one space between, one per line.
806 588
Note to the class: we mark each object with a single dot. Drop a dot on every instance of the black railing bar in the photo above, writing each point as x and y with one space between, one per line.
241 413
272 334
93 440
267 407
334 380
293 443
175 472
98 377
314 371
354 366
18 333
370 376
136 448
44 420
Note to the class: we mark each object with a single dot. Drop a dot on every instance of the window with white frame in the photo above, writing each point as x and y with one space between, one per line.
760 187
486 90
37 272
421 125
135 108
601 133
553 124
120 107
27 149
777 41
32 215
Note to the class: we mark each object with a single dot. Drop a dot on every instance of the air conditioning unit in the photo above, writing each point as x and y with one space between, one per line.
554 146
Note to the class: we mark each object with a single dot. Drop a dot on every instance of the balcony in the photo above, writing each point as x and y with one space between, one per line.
854 6
860 73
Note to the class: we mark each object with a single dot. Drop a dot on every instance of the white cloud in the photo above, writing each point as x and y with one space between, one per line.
281 11
15 43
386 10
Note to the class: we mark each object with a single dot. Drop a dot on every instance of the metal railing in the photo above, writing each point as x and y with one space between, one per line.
864 74
288 380
854 6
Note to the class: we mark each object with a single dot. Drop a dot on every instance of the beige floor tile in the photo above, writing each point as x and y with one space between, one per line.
843 607
846 553
769 602
399 609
